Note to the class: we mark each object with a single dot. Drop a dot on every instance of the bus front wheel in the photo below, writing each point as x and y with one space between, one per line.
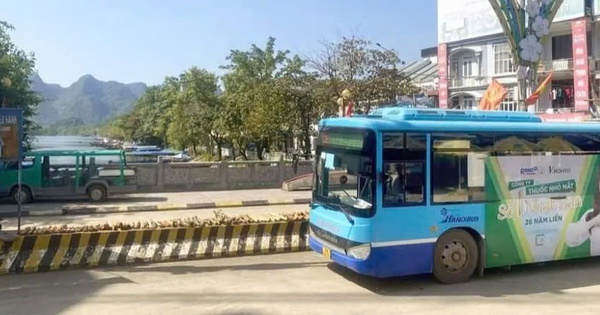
96 193
456 257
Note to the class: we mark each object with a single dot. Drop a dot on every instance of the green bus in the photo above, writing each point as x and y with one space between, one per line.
61 173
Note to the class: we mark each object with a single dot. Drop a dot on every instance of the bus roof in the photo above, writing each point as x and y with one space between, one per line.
436 114
75 152
441 120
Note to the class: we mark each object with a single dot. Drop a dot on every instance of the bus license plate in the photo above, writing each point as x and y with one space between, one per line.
327 252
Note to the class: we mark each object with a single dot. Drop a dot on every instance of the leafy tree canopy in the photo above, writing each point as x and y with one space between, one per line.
269 96
16 67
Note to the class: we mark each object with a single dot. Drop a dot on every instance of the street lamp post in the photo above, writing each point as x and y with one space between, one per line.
402 62
526 23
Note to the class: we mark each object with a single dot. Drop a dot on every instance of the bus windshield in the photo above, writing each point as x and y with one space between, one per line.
344 177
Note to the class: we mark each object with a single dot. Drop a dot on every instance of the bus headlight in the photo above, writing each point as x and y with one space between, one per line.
360 252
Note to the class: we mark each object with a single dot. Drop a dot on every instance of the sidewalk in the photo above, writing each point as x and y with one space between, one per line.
163 202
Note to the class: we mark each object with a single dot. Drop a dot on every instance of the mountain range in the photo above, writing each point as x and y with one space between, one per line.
88 100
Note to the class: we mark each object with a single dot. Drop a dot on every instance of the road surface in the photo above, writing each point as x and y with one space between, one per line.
298 283
132 217
157 198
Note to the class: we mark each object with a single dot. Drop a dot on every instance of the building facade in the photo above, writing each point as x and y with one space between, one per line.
472 50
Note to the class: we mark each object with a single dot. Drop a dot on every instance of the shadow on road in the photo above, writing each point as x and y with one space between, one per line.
552 277
189 269
20 294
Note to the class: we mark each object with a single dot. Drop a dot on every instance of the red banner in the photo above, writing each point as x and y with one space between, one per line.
580 65
493 96
443 75
542 88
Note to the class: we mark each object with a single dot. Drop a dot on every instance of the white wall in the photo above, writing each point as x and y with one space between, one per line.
459 20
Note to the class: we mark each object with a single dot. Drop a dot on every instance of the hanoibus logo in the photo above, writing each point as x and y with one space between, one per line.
450 218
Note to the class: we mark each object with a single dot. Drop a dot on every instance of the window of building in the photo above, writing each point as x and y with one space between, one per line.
503 62
509 103
454 69
562 47
468 103
458 159
455 103
467 70
404 157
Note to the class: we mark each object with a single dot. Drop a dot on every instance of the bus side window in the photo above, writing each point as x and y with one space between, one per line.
457 166
403 162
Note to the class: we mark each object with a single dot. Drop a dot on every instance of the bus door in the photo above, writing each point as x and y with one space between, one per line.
402 223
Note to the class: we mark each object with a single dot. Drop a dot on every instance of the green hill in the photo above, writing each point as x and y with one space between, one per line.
88 101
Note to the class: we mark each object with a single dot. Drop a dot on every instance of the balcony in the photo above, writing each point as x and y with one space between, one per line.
556 65
462 82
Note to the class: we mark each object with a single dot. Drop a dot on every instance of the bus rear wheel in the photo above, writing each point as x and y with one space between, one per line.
455 258
96 193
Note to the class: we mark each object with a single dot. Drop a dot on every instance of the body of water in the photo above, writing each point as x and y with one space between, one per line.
64 143
69 143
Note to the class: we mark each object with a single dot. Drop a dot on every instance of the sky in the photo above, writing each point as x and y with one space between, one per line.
147 40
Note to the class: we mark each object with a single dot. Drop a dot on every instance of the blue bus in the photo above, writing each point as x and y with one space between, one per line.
406 191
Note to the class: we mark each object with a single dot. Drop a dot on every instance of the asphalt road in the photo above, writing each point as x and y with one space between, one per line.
299 283
133 217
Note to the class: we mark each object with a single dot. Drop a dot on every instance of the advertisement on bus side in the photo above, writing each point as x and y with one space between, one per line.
541 208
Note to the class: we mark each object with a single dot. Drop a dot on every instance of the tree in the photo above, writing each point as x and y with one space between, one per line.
116 128
141 123
182 112
269 96
195 110
145 115
16 67
254 111
372 75
299 90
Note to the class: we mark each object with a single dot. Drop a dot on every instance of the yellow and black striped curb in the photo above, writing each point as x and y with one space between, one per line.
86 209
38 253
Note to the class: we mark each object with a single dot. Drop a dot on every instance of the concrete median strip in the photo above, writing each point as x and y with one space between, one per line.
49 252
87 209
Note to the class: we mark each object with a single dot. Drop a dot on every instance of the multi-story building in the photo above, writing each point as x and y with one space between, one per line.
472 50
